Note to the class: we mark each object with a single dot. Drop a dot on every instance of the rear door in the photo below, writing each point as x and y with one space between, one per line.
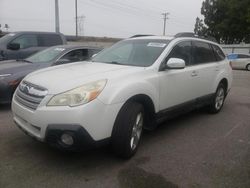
206 67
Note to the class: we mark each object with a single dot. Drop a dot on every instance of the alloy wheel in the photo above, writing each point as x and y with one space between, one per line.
219 100
136 131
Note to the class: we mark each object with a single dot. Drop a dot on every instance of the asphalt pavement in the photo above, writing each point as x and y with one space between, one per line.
194 150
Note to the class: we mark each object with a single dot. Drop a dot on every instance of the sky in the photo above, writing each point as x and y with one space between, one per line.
110 18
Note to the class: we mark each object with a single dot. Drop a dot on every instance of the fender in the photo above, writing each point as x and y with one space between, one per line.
223 74
123 92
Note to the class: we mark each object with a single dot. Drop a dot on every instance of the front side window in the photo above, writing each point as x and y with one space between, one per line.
136 52
202 53
75 55
182 51
26 41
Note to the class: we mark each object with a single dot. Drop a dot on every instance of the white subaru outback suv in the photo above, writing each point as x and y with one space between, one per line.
124 89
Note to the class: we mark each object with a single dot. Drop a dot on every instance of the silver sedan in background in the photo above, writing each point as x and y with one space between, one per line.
240 61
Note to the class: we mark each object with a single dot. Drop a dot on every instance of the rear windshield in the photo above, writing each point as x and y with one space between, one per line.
136 52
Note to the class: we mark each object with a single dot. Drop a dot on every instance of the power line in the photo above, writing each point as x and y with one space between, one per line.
115 7
136 8
128 9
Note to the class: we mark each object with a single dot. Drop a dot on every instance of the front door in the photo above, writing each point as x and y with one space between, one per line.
178 86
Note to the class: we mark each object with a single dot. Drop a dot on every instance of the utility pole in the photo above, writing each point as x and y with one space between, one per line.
81 25
57 17
76 19
165 17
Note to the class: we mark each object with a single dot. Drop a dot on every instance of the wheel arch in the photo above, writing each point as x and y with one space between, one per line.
224 81
223 78
149 109
248 64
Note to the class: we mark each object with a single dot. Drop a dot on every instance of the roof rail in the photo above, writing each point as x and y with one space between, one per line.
185 34
189 34
140 35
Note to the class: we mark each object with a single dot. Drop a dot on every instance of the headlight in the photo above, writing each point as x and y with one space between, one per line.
78 96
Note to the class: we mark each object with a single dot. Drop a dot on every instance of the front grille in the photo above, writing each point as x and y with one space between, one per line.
30 95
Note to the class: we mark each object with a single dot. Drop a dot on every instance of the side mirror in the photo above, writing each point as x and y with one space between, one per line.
13 46
175 63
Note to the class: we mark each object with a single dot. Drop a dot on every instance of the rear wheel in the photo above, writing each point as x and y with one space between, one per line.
127 130
248 67
218 99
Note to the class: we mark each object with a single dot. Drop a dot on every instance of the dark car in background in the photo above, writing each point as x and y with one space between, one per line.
13 71
20 45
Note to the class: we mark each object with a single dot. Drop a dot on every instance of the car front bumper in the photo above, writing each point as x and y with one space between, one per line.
90 123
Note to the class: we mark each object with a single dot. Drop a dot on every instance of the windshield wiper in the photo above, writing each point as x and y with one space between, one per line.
109 62
24 60
114 62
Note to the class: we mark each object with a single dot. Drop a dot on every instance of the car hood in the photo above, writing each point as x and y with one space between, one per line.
13 67
65 77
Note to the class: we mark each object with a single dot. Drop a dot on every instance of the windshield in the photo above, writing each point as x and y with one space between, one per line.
136 52
7 38
46 55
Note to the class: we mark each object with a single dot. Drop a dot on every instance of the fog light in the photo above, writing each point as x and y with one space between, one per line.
67 139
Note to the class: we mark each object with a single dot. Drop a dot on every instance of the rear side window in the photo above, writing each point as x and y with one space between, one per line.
218 53
26 41
49 40
202 53
182 51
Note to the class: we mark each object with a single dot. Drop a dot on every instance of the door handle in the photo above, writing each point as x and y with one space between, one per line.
194 73
217 68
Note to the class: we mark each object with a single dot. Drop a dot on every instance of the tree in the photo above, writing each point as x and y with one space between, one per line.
200 29
226 20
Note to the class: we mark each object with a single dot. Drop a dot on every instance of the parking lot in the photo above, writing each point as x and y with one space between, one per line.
194 150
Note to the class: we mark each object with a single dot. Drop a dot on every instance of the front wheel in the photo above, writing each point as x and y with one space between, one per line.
127 130
218 99
248 67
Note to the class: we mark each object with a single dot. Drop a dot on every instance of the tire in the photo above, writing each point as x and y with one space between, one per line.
127 130
248 67
218 99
